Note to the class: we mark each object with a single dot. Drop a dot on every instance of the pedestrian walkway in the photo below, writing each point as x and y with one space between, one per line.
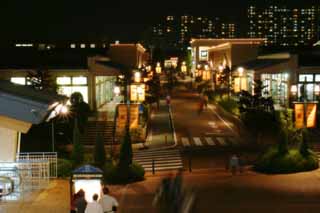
165 159
160 132
214 141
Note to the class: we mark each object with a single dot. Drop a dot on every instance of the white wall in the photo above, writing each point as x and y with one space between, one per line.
8 144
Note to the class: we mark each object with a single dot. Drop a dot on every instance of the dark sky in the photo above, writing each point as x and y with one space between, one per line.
120 19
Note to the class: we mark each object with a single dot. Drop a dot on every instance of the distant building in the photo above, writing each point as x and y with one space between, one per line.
177 31
93 76
284 26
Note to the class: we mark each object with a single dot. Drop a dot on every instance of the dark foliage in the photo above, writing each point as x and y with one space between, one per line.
99 152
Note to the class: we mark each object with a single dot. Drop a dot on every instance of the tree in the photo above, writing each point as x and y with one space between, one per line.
80 110
40 79
125 158
99 152
77 154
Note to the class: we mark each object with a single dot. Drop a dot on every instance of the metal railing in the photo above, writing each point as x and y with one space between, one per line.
50 158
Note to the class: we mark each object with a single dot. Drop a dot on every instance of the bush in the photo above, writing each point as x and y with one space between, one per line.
115 175
273 162
229 105
64 168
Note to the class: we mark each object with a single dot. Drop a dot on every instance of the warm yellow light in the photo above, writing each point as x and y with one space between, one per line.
198 66
206 67
221 68
90 188
240 71
116 90
158 68
64 109
137 77
294 89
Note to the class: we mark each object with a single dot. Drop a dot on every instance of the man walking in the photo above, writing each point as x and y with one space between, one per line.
109 204
94 206
234 164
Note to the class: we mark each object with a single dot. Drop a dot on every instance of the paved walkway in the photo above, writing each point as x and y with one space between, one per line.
217 191
160 133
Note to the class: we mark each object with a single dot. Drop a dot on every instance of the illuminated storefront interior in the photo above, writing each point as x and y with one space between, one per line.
104 89
70 84
276 85
311 80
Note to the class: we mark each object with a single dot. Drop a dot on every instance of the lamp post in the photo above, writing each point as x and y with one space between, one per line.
158 68
240 73
60 109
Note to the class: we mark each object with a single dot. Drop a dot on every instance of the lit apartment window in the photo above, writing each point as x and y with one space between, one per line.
18 80
72 46
92 45
82 46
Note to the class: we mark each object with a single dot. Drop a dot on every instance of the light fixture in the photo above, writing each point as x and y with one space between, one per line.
220 68
137 77
240 71
294 89
116 90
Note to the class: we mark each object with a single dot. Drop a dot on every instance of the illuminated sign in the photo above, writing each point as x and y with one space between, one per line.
310 114
137 92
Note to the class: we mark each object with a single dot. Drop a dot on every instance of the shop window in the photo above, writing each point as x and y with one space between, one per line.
317 79
63 80
79 80
308 77
18 80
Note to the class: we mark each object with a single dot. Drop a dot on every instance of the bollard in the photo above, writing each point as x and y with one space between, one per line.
153 170
166 140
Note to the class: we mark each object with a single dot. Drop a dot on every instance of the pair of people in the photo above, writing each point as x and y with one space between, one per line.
235 164
107 203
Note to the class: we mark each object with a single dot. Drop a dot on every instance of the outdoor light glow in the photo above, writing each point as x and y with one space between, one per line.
240 71
198 66
64 109
137 77
294 89
158 68
206 67
220 68
116 90
90 187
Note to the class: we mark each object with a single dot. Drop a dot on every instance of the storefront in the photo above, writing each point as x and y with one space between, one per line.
276 85
70 84
104 89
310 80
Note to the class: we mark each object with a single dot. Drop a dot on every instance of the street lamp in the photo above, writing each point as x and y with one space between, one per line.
183 67
240 73
116 90
137 77
158 68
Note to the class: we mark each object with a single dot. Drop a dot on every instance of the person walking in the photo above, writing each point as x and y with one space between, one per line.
94 206
80 202
234 164
205 100
168 100
200 107
109 204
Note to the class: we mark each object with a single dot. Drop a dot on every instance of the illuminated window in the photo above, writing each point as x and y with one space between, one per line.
83 46
79 80
72 46
18 80
92 45
308 77
63 80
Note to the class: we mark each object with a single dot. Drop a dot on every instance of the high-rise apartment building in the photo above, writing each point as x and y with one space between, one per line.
284 25
177 31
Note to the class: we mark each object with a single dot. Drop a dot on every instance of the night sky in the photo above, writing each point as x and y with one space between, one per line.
85 19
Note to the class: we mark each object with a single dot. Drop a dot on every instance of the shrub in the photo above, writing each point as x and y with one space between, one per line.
125 158
64 168
229 105
113 174
273 162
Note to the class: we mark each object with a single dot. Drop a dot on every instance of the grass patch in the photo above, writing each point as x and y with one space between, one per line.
272 162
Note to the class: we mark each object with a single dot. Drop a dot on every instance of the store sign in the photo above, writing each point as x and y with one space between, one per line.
311 111
137 92
122 115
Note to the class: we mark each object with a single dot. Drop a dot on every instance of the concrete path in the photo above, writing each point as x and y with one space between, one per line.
160 132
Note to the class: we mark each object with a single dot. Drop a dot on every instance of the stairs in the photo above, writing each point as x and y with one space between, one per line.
168 159
94 128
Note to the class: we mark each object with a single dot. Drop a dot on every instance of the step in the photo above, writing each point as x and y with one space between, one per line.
157 159
146 164
164 168
161 154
